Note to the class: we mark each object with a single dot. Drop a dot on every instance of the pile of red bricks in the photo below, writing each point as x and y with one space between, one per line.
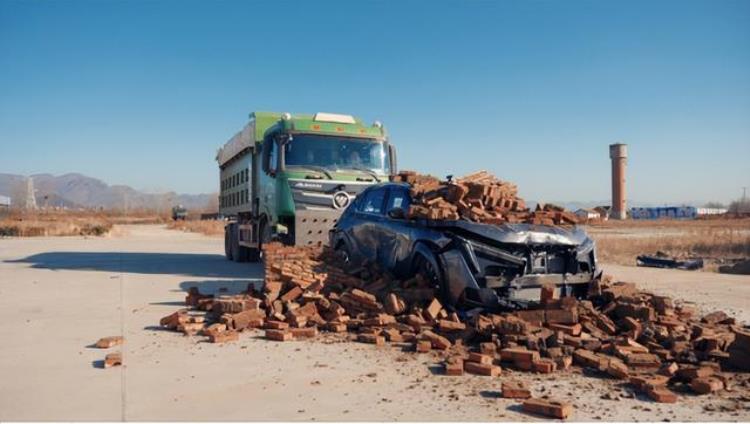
478 197
650 341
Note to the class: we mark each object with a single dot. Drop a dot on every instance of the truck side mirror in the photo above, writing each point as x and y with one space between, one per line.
392 158
396 213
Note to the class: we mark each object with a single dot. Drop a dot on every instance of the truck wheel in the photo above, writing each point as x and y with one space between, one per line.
228 242
264 234
237 254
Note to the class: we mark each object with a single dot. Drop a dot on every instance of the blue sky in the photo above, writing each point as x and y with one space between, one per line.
142 93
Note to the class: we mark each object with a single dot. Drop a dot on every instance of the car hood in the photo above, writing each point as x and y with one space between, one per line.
516 233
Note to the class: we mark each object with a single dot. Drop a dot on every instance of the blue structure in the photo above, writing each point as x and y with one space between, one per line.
674 212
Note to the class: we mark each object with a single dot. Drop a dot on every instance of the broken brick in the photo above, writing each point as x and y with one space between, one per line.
548 408
482 369
514 389
279 335
112 360
107 342
705 385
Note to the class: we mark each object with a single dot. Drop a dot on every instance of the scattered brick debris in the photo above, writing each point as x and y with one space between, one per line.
108 342
548 408
651 343
113 360
514 389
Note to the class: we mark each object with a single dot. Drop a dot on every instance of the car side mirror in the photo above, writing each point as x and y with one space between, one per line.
396 213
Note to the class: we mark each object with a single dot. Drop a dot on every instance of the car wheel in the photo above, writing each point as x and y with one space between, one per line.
427 270
342 253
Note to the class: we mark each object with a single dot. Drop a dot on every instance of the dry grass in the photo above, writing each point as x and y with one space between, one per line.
714 240
208 227
70 223
54 224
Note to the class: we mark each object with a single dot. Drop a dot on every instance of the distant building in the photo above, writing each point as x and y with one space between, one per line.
603 212
587 214
664 212
4 202
711 211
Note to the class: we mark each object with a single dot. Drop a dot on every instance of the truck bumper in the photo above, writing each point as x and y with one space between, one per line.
311 226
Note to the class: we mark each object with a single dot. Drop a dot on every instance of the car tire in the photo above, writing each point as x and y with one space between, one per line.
343 253
427 268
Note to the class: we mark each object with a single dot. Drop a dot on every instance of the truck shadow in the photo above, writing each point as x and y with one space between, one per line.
188 264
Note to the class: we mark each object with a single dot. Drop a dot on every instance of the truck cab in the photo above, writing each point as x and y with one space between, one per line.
289 177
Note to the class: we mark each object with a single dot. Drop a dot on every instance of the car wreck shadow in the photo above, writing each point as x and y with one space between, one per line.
190 264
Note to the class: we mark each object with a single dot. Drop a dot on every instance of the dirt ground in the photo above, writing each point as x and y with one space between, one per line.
59 295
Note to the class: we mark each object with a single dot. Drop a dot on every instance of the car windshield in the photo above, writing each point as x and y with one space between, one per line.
337 153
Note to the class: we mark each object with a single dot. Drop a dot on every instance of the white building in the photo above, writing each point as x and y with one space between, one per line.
4 202
587 214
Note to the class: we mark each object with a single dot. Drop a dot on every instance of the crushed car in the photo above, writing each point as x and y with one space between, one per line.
470 264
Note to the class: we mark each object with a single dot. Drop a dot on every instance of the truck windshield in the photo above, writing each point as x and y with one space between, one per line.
337 153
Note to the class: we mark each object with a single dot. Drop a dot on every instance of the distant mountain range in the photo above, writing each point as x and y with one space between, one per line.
80 191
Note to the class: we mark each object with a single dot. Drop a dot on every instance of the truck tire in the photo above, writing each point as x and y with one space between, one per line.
264 235
228 242
238 253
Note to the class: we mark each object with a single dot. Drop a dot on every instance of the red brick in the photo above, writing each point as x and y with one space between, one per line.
643 360
572 329
548 408
488 348
544 365
276 325
454 368
336 327
371 339
547 294
279 335
704 385
561 316
423 346
617 369
514 389
438 341
519 355
224 336
107 342
482 369
432 311
696 372
480 358
306 332
112 360
446 325
292 294
661 394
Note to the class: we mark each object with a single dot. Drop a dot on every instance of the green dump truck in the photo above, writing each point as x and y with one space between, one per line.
288 177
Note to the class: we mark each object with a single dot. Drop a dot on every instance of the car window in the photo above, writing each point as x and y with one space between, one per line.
399 199
373 202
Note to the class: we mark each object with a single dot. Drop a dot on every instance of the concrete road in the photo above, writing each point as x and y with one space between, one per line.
59 295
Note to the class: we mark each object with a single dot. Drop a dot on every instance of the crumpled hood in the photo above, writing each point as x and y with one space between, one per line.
517 233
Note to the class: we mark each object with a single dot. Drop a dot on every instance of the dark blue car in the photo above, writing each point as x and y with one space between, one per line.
470 264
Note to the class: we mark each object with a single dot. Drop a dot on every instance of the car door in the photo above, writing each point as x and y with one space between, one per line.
396 233
369 217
